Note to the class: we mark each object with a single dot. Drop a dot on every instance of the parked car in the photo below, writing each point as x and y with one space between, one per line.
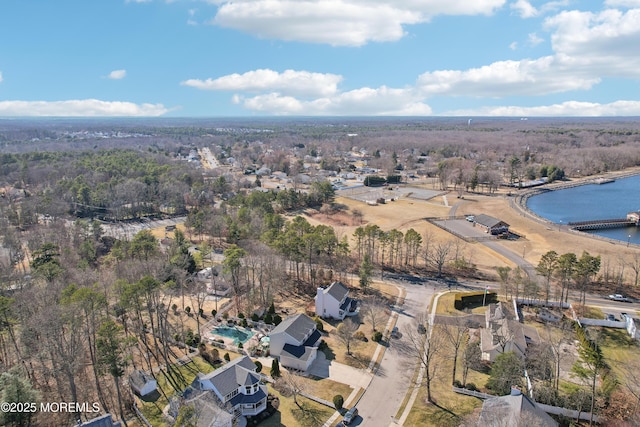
421 329
611 317
471 218
619 297
395 333
350 416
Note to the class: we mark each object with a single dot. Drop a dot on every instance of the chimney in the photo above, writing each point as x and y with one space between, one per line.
320 302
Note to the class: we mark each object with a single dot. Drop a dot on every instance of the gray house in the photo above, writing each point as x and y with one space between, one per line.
514 410
295 342
237 387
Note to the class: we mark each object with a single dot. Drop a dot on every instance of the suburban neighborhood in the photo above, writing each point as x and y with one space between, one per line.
284 281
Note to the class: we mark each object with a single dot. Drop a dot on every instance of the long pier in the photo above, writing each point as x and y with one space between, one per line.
600 224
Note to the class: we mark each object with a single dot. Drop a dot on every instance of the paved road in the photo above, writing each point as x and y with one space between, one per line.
382 400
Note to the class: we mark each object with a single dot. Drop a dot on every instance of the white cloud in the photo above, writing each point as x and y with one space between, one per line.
0 76
117 74
524 9
603 43
80 108
534 40
289 82
569 108
382 101
339 22
513 45
623 3
507 78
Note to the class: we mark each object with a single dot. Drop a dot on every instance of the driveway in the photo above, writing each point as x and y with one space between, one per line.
382 399
339 372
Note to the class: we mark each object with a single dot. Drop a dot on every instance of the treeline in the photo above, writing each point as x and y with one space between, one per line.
110 185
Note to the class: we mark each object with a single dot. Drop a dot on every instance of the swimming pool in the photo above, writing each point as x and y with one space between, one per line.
238 335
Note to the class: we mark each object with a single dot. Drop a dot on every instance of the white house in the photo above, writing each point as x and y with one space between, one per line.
295 342
334 302
237 387
142 383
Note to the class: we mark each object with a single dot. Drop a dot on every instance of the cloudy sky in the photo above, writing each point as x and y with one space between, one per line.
212 58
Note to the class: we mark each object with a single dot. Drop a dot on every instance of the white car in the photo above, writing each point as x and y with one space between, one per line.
618 297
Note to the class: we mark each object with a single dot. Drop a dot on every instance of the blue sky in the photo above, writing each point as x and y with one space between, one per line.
211 58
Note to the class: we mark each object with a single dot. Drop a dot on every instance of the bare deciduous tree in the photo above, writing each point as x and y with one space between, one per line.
456 335
373 309
345 333
425 348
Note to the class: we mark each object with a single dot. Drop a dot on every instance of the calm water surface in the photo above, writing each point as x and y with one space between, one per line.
590 202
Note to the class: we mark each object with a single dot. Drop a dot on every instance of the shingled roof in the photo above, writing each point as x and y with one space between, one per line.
296 326
226 379
337 290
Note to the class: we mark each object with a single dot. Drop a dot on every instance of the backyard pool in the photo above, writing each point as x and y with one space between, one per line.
238 335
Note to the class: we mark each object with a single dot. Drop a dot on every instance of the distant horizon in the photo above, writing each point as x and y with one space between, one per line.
340 117
224 58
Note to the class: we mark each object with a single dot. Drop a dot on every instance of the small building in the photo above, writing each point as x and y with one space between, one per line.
237 387
142 383
490 224
334 302
515 409
295 342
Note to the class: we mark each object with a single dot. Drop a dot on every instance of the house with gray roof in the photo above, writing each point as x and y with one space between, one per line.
490 224
334 302
105 420
142 383
502 333
295 342
236 386
515 410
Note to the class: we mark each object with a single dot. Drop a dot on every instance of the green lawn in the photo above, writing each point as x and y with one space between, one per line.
180 379
289 415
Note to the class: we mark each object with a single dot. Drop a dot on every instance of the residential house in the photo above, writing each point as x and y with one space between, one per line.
515 409
502 333
142 383
490 224
334 302
295 342
102 421
237 387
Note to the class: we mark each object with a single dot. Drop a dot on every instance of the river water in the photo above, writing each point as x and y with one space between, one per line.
591 202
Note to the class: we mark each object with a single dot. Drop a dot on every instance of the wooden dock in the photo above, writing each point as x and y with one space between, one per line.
601 224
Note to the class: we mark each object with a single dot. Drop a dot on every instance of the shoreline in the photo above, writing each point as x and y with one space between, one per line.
519 201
